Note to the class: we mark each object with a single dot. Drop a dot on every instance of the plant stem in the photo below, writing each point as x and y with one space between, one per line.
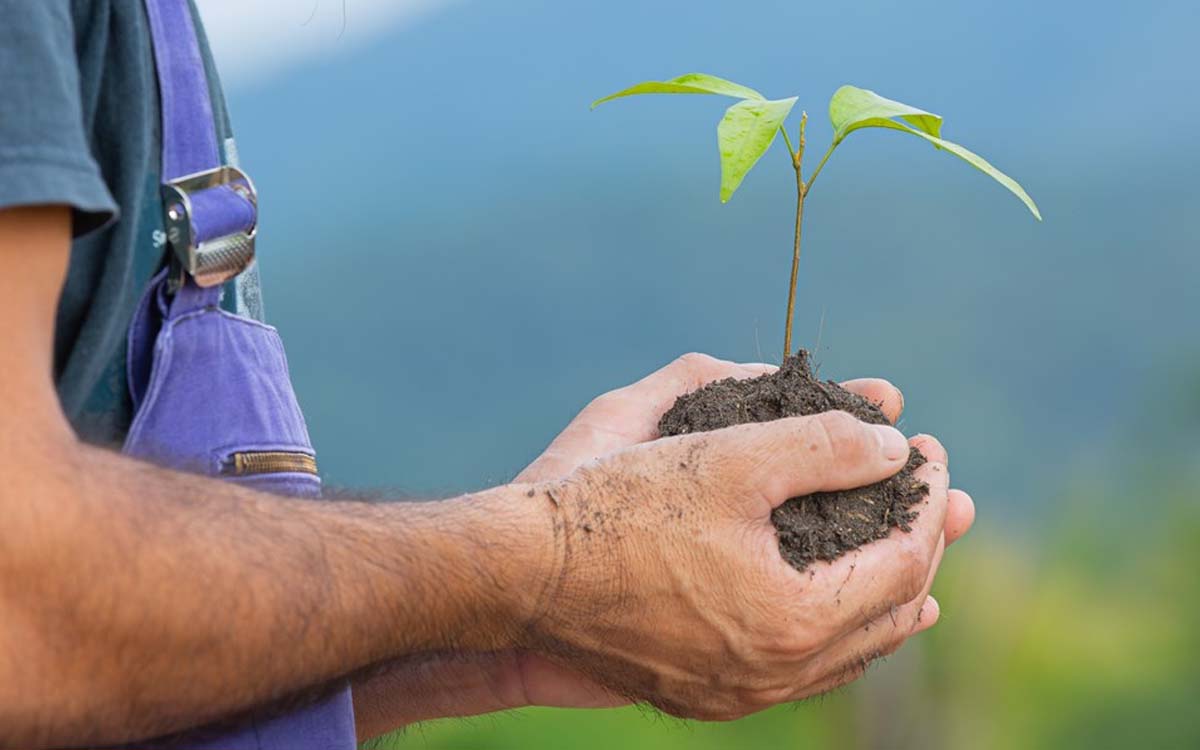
820 165
801 192
788 141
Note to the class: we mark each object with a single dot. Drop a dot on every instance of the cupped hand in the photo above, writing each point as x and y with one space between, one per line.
672 590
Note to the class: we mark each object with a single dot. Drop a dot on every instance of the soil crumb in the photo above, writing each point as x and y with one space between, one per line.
825 525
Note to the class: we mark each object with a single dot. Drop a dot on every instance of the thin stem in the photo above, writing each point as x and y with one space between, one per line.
788 141
791 304
820 165
801 192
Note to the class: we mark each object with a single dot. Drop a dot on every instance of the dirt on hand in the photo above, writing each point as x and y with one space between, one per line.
825 525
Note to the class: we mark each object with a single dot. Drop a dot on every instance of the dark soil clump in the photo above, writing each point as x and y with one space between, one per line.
825 525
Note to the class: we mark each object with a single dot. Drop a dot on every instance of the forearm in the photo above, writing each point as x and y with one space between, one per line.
140 601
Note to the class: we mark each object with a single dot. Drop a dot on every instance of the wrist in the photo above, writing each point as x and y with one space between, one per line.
515 557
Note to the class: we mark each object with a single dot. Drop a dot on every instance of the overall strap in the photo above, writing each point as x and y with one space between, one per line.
211 210
189 136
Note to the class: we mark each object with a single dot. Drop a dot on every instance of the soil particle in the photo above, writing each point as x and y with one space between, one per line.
825 525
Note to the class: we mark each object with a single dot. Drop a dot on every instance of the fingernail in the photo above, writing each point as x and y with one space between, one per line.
891 441
928 614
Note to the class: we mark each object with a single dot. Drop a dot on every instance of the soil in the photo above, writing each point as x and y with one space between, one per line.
825 525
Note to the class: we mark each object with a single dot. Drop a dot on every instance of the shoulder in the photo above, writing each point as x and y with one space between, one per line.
44 147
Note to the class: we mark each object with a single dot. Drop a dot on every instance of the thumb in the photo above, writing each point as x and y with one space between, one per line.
786 458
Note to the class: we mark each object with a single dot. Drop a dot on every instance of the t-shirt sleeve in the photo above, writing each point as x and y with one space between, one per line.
44 152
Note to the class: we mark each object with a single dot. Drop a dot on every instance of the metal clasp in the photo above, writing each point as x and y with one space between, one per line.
214 260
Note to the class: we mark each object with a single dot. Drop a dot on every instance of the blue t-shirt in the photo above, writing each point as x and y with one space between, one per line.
79 125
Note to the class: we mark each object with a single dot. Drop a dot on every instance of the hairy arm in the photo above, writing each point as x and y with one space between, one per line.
138 601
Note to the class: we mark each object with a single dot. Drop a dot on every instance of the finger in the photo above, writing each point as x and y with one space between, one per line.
630 415
883 634
759 368
881 393
959 515
929 615
692 371
931 448
856 589
880 636
857 665
960 511
773 461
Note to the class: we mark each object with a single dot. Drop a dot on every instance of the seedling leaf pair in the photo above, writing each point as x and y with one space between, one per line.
746 131
748 128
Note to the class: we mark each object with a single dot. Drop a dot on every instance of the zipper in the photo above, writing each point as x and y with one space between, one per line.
248 463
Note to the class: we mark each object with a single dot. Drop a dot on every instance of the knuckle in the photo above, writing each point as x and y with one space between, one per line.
801 644
694 361
602 402
765 697
840 434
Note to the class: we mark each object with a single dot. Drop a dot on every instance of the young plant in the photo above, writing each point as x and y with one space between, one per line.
749 127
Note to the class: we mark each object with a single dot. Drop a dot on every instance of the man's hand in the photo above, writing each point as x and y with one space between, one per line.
672 589
630 415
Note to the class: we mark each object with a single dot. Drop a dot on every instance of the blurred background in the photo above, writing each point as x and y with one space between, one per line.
460 256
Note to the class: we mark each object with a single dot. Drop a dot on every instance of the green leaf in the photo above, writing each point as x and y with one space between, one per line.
982 164
852 108
690 83
746 132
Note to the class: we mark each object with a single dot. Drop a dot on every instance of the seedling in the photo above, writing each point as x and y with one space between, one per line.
749 128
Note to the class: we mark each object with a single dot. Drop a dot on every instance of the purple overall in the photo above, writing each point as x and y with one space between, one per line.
210 389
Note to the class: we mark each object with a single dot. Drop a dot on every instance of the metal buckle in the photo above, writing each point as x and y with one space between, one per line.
212 261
